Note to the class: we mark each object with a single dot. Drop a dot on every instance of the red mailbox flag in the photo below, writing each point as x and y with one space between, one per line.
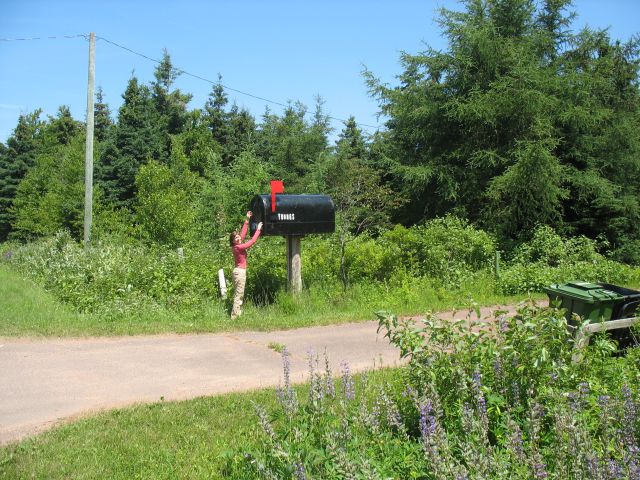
276 187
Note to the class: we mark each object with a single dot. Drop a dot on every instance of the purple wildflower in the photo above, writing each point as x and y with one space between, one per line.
286 395
477 379
299 471
503 324
316 390
427 420
467 417
631 456
574 401
393 415
583 389
615 470
497 368
603 401
373 418
286 365
515 390
630 418
480 400
515 440
540 470
347 382
593 466
410 392
329 385
264 422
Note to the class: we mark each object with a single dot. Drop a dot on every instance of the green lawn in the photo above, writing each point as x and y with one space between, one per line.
168 440
27 310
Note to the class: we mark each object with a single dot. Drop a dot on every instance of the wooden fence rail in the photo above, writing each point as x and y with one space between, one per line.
584 334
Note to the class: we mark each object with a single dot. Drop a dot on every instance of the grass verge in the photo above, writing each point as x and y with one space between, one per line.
28 310
192 439
25 308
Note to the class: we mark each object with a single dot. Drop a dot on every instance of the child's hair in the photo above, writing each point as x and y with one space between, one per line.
232 237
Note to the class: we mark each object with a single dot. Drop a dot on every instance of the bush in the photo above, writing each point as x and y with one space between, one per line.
474 402
548 258
548 248
94 278
449 248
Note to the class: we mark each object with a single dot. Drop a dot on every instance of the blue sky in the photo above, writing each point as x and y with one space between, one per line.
279 50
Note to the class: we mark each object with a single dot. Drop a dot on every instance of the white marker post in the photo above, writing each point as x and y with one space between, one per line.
223 284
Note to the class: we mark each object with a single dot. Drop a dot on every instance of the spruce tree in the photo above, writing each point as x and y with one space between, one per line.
16 159
518 122
170 105
102 117
134 141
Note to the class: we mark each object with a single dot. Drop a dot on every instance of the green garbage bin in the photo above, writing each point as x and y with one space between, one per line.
588 300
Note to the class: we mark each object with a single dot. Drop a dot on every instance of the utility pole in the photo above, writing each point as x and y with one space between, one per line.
88 155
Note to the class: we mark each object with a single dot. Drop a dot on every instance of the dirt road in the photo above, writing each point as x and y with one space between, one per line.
45 382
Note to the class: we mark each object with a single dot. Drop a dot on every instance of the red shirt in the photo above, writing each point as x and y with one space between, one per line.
240 250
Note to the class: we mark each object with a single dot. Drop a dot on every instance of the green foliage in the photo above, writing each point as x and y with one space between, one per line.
15 160
235 187
136 139
165 207
51 196
118 276
292 144
517 122
450 247
267 270
549 248
477 400
102 117
548 258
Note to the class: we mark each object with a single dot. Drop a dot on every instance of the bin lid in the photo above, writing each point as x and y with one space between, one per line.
585 291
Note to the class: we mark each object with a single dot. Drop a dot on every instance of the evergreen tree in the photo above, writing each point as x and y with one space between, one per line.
233 130
51 196
62 128
518 123
15 161
215 116
242 134
101 117
363 201
291 145
170 105
135 140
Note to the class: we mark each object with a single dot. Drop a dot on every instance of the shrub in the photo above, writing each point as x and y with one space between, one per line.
548 258
475 402
449 248
549 248
91 279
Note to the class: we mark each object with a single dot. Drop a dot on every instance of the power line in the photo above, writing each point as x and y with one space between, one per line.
56 37
179 70
226 87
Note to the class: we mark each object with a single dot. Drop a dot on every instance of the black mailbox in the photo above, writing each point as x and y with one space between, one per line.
294 214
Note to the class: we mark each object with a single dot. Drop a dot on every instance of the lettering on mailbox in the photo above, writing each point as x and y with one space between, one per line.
286 216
